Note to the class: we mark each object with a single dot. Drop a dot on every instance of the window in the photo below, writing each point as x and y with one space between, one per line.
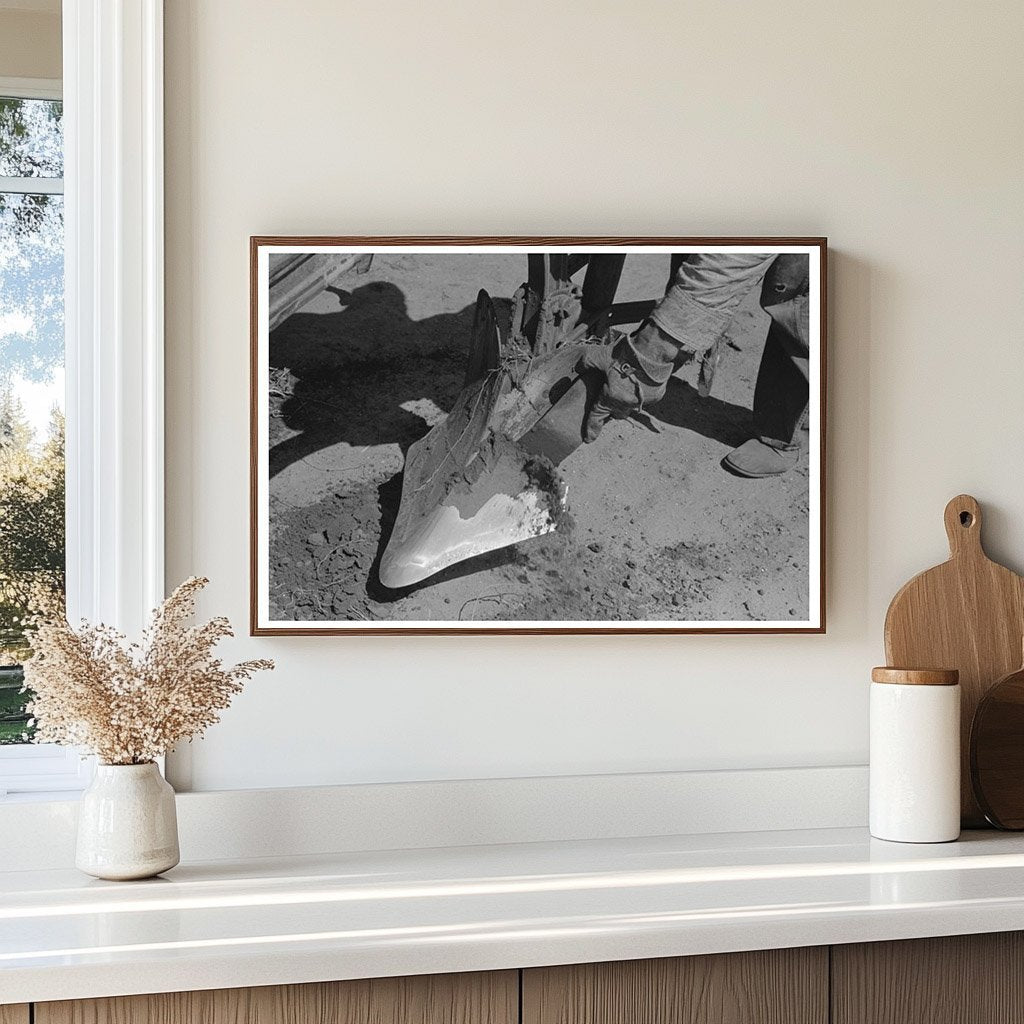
32 532
31 383
112 212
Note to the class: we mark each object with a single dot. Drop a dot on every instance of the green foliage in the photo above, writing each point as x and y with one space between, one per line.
31 501
14 727
31 544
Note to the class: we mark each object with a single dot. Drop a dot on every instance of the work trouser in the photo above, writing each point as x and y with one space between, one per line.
701 300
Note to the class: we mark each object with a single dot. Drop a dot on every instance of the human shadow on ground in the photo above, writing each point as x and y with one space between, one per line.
353 370
711 417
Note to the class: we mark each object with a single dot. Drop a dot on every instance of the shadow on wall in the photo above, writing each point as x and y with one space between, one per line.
848 405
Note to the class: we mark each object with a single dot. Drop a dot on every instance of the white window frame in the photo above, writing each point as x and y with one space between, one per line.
32 88
113 173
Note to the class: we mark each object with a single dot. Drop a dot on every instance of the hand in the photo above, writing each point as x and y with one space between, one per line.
636 372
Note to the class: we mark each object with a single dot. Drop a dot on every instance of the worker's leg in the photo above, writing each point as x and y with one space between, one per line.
598 292
703 296
780 395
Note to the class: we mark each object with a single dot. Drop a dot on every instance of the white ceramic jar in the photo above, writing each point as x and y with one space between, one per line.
127 823
915 755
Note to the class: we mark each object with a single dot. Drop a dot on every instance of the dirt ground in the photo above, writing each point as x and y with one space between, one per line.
660 531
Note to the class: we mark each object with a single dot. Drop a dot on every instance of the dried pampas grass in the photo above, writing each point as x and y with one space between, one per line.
130 703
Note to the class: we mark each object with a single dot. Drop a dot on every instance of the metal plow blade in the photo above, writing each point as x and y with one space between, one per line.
482 479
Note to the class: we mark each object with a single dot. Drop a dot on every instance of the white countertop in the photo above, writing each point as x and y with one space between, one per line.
351 915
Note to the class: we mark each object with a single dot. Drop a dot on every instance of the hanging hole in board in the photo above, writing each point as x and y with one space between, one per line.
966 519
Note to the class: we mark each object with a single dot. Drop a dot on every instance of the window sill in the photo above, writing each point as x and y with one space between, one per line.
41 797
42 772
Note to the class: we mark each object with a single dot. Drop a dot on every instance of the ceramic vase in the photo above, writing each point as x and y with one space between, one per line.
127 825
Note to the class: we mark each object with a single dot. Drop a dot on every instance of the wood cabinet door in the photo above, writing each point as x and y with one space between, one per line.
483 998
777 986
14 1014
960 979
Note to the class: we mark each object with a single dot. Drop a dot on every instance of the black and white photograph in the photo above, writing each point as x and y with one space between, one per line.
537 435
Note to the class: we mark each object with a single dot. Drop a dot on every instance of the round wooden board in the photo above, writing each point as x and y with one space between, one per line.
997 752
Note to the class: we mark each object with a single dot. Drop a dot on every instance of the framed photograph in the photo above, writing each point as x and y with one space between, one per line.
537 435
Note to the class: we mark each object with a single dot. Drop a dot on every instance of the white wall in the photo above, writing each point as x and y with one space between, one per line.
895 129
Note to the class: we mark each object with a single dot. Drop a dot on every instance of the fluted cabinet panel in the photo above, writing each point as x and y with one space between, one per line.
483 998
778 986
960 979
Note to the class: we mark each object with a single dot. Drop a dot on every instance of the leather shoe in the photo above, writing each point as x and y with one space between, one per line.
756 459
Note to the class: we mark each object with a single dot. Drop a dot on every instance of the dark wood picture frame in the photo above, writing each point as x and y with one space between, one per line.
526 242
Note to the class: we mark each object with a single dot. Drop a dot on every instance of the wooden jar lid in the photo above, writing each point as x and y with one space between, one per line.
916 676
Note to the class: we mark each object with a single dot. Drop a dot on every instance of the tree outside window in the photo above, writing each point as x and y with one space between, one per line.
32 543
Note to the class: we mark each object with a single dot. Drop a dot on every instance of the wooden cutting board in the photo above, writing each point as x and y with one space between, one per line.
967 614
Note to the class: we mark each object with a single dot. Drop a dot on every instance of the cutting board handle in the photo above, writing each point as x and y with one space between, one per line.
963 526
